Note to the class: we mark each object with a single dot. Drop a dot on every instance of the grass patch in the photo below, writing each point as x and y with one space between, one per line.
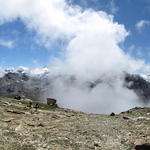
42 106
146 122
24 104
8 96
47 107
17 146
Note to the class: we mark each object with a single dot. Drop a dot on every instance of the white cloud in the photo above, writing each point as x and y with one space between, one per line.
36 63
21 69
5 43
141 24
92 53
131 49
2 72
113 7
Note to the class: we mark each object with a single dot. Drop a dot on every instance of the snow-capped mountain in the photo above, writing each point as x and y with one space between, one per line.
21 69
23 81
146 77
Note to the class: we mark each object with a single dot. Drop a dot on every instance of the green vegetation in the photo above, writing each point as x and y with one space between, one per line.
16 146
25 104
42 106
45 106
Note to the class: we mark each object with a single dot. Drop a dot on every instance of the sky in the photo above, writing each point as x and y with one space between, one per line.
21 46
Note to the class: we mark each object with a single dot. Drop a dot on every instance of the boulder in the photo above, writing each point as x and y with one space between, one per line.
112 114
126 118
51 101
145 146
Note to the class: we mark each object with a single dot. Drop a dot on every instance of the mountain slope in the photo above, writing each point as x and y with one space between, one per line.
60 129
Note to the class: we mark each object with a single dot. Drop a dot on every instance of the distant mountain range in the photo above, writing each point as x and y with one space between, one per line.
33 83
23 82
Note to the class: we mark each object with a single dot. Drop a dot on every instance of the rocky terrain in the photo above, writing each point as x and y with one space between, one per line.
51 128
22 84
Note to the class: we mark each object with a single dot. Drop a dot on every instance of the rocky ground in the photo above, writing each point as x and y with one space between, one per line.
50 128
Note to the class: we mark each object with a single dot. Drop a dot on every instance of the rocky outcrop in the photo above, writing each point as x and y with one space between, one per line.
51 101
139 85
19 84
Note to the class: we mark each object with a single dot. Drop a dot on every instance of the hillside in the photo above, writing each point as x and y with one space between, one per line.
53 128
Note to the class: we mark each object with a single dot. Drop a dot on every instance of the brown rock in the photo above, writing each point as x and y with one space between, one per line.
55 116
125 118
40 125
51 101
97 145
31 125
15 112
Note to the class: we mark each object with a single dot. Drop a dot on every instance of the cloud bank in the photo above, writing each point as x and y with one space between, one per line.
92 53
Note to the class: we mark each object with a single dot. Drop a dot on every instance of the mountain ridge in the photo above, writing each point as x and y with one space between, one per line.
22 82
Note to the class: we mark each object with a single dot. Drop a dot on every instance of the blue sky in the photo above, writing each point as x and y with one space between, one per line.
20 46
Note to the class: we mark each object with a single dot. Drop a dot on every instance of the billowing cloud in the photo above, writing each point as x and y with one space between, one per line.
8 44
92 53
52 18
141 24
